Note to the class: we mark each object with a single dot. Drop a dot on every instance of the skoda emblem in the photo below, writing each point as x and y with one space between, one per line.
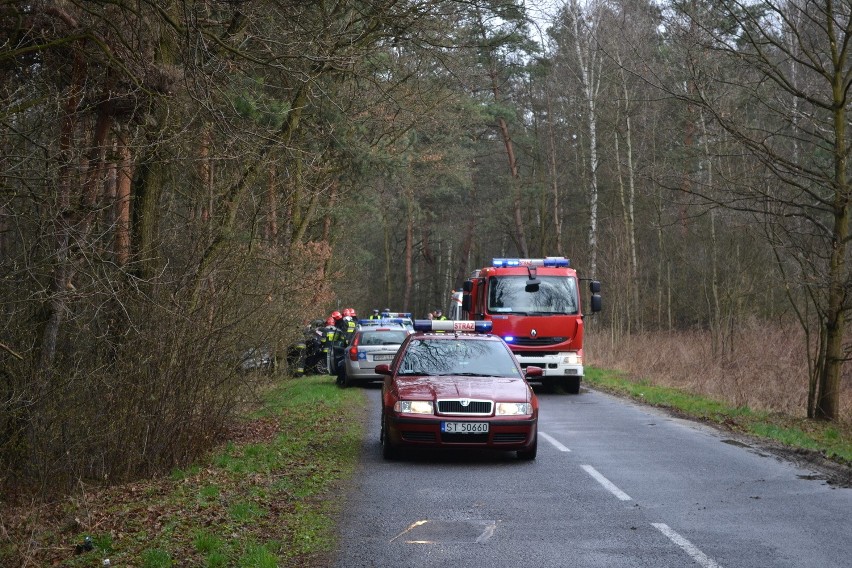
533 333
464 402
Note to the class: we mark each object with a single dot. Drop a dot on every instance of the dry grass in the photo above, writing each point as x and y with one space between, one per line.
766 369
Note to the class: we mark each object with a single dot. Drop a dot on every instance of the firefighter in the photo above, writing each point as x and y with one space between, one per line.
350 324
330 335
338 319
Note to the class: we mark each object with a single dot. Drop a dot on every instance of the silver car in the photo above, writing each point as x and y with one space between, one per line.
369 347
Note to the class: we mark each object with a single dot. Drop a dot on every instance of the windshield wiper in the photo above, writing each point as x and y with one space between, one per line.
468 374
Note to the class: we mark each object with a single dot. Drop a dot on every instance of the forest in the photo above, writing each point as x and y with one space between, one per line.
182 180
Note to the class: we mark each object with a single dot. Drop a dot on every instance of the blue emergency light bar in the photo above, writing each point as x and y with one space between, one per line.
383 321
548 261
396 314
468 326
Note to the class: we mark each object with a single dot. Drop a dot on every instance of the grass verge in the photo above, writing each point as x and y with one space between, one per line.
834 441
268 497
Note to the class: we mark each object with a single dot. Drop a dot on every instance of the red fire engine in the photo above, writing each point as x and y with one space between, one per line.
534 305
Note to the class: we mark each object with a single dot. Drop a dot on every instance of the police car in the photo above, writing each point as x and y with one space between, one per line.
455 385
405 317
404 321
370 346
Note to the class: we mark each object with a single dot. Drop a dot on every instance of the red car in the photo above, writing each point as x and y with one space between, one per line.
454 385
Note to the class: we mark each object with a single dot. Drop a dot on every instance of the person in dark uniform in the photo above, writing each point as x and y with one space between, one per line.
439 315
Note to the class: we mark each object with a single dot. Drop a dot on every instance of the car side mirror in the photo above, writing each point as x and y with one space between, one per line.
383 369
595 287
533 371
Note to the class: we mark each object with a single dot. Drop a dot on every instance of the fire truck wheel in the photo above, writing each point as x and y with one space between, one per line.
571 385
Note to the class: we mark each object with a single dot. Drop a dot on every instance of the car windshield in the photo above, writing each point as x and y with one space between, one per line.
553 295
383 337
475 358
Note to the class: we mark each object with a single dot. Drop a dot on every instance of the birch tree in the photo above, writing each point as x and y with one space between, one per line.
582 22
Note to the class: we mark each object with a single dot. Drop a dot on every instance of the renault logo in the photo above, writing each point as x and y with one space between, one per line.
533 333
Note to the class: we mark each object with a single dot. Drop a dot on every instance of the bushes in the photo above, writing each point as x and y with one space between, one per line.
766 369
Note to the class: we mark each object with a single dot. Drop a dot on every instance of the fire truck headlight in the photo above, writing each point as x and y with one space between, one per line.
573 358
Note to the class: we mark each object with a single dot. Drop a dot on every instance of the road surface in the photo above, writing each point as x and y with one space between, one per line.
615 484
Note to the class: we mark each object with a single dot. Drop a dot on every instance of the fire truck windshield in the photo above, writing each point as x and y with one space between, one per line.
554 295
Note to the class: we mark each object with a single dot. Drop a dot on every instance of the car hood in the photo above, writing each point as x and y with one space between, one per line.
503 389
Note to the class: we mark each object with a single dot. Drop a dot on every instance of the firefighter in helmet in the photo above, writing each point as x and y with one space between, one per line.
338 319
350 323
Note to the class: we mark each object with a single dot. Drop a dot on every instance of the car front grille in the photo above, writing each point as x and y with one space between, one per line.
506 438
472 408
464 438
418 436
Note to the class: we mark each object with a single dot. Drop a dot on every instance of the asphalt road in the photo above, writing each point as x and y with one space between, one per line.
615 485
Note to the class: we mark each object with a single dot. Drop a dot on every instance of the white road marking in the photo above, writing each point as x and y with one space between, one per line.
608 485
554 441
487 533
409 528
699 557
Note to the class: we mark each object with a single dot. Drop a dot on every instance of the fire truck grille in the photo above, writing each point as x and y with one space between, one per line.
477 407
538 341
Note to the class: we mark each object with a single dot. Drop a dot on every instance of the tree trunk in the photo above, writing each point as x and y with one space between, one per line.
590 83
828 401
631 202
469 234
554 180
517 212
270 232
62 222
122 201
409 251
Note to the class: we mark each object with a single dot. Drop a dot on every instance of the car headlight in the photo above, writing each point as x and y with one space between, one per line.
513 408
413 407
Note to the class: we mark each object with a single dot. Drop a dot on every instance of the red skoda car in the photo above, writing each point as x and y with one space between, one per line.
454 385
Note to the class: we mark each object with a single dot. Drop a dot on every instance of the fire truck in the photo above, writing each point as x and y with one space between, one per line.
534 305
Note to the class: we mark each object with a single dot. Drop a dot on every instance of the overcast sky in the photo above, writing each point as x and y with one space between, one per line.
542 12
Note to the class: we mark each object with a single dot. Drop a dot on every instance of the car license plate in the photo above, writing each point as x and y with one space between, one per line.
382 357
464 427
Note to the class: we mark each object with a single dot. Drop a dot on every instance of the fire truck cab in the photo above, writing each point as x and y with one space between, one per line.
534 304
